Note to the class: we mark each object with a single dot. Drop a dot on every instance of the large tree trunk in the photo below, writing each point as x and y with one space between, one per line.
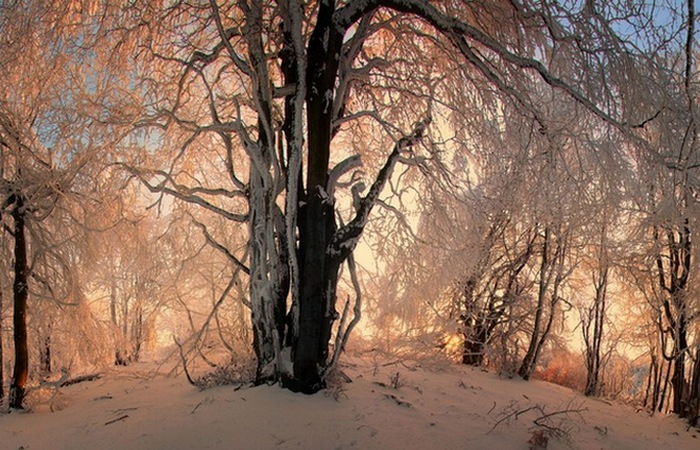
21 369
264 268
316 294
294 348
268 270
318 270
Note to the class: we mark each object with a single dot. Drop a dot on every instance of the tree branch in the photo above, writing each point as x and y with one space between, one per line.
345 239
214 243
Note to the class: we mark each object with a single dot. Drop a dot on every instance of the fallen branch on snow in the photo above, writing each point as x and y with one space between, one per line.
80 379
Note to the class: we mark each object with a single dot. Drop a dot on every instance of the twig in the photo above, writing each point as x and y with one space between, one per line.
491 410
556 430
196 407
398 402
123 410
556 413
117 419
515 414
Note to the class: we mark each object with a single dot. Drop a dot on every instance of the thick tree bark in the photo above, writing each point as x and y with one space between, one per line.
318 271
268 254
293 66
21 369
263 288
317 292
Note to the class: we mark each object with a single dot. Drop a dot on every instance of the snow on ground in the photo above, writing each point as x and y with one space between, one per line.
443 407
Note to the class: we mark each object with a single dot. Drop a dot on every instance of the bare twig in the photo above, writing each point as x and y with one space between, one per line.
516 414
125 416
543 419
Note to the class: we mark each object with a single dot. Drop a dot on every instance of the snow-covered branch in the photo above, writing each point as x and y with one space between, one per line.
345 239
221 248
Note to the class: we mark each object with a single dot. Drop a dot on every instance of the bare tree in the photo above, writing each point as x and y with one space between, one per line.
43 147
489 294
321 69
671 219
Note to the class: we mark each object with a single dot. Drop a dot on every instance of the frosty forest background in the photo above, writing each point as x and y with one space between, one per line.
251 187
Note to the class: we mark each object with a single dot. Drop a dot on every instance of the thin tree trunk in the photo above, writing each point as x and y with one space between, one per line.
120 356
530 360
662 400
596 320
650 372
680 392
137 333
45 356
678 383
474 345
657 386
21 369
2 362
694 397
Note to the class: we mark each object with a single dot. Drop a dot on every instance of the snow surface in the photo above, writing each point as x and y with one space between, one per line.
436 407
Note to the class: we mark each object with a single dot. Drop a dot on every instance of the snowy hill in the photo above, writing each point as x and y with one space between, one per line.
388 405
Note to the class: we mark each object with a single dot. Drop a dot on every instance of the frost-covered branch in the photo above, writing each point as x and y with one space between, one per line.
341 169
221 248
161 188
343 333
344 240
450 25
